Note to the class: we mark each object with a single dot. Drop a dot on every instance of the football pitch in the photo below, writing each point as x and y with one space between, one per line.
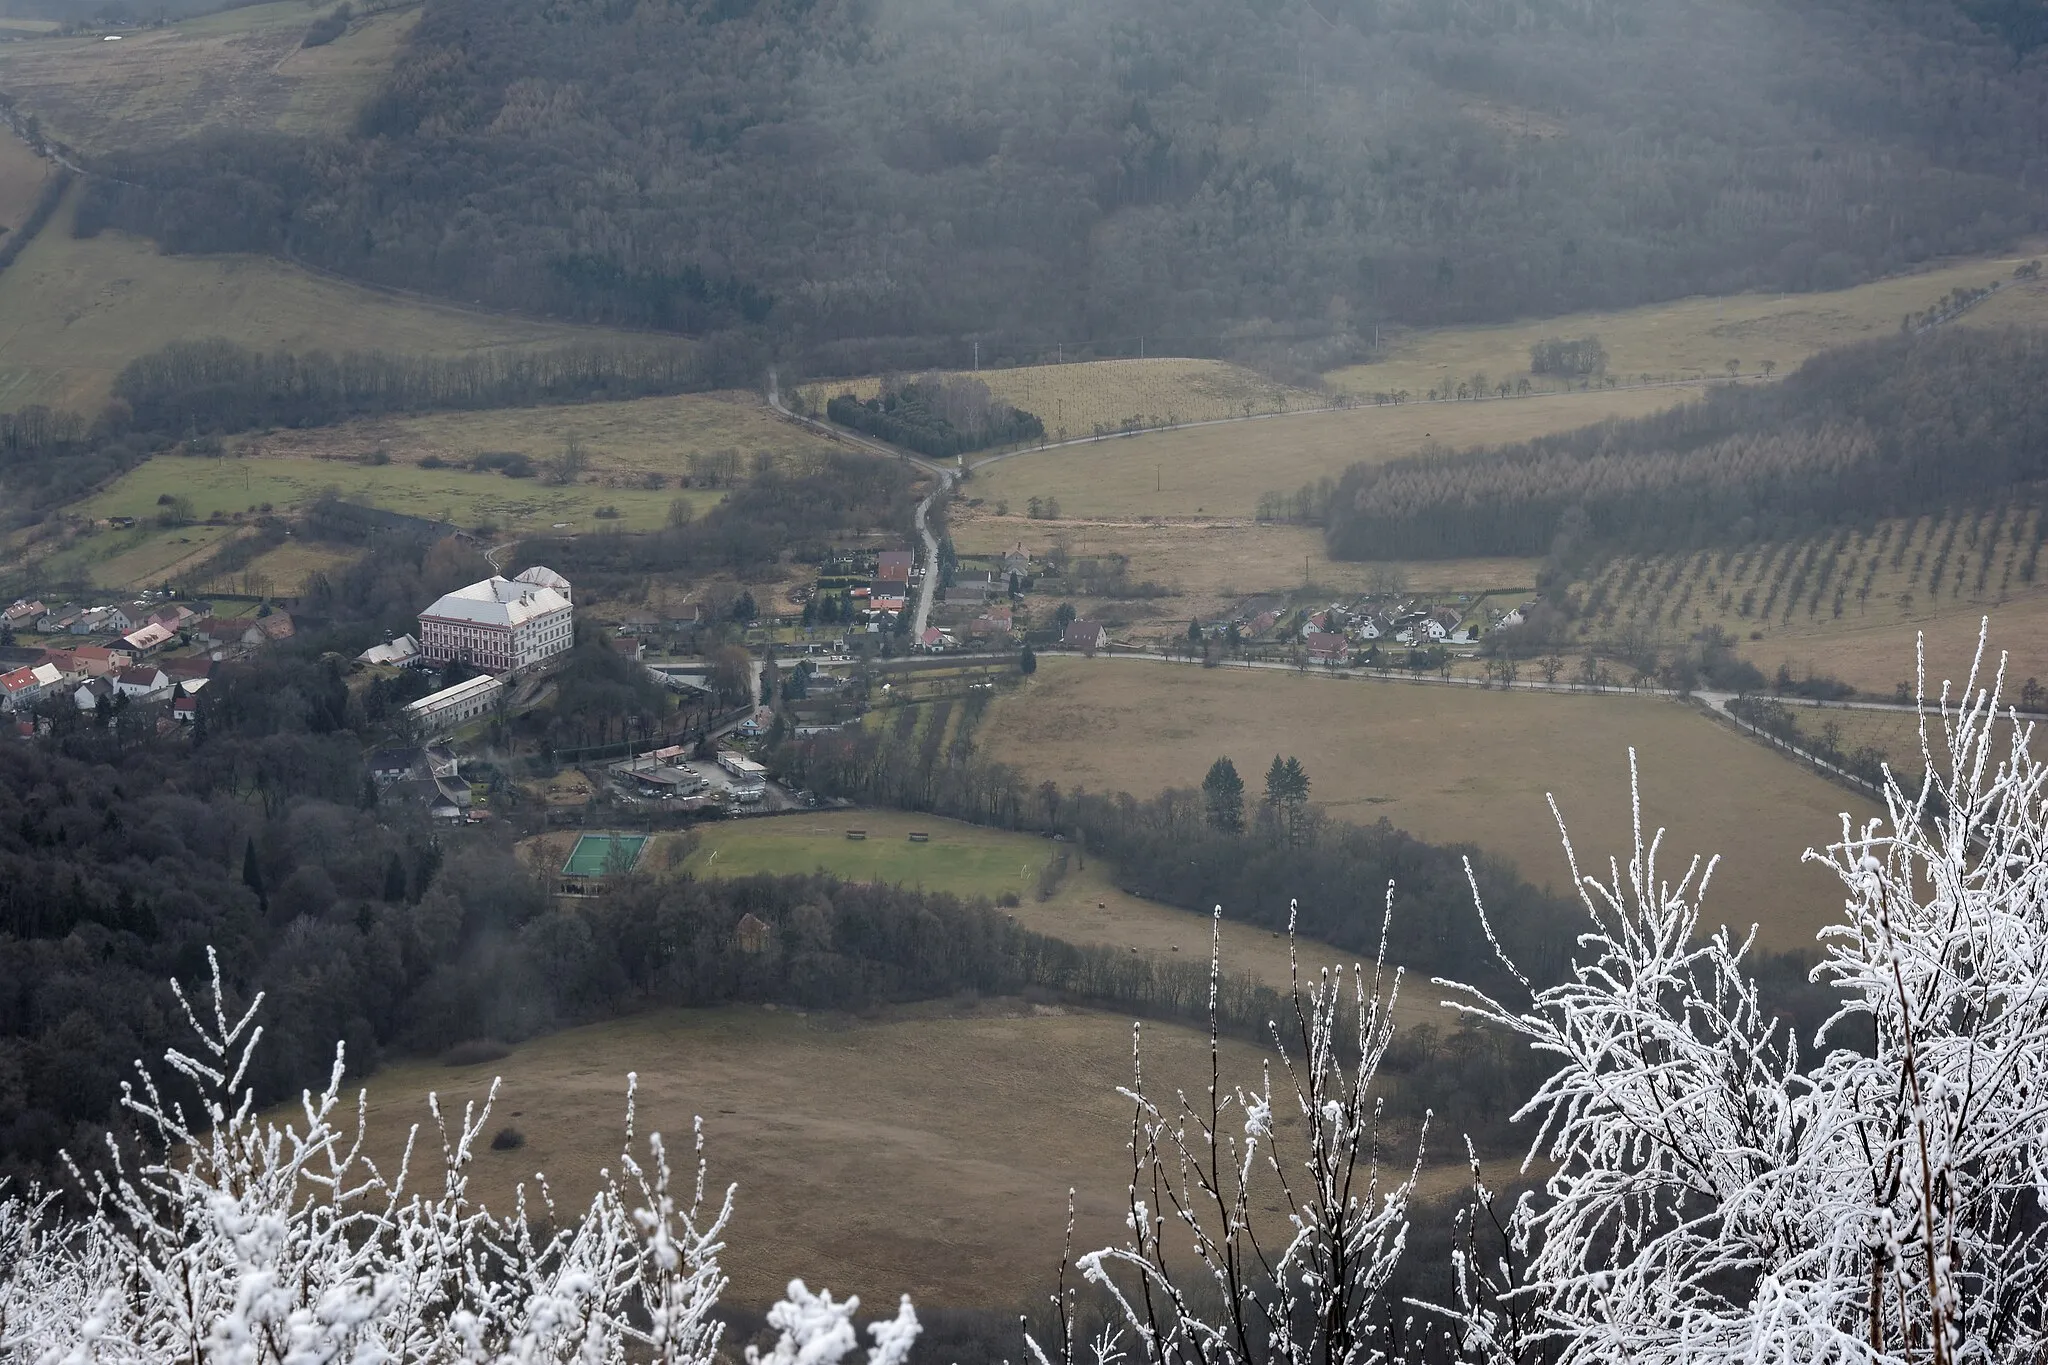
592 856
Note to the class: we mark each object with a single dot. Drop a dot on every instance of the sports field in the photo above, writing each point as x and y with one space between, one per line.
596 854
1451 765
73 312
1222 470
1699 336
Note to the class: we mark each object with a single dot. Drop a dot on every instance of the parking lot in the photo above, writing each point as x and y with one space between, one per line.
692 784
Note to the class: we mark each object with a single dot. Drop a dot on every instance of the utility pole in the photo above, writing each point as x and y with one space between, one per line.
977 357
1158 477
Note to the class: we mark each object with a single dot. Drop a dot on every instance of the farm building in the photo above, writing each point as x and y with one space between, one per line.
749 779
453 706
1085 635
1325 648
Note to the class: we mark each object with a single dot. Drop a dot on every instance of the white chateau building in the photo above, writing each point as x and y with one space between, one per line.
501 624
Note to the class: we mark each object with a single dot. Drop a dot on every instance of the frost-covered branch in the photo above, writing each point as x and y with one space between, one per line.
255 1243
1714 1195
1203 1280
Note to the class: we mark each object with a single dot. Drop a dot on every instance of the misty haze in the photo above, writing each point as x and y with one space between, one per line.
1076 682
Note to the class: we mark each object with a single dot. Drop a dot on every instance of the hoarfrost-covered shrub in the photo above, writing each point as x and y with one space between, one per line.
256 1243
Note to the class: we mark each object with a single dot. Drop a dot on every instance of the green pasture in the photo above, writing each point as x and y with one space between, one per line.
224 486
960 859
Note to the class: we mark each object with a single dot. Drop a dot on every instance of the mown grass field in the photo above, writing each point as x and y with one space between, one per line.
1212 563
1094 397
1850 603
237 68
1452 765
643 436
73 312
967 860
924 1149
1222 470
22 176
1699 336
143 557
222 487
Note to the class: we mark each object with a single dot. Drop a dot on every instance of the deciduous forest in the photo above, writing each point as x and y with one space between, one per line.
1035 170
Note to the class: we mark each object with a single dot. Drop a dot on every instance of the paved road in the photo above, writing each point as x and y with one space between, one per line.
921 614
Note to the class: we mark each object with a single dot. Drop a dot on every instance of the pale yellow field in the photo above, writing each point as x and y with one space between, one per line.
1882 606
646 435
1221 470
238 68
22 174
1213 563
1699 336
1452 765
923 1150
73 312
1896 734
1094 397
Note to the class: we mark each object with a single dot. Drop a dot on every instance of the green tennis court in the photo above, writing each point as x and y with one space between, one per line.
592 856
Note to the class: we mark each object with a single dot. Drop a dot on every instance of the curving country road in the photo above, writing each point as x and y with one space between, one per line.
921 614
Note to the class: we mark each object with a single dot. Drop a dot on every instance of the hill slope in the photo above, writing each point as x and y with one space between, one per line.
1054 168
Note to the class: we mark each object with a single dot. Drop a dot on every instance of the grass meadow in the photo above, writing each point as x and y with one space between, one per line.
925 1149
224 486
1212 563
1697 337
141 557
640 436
951 1187
1095 397
241 68
73 312
22 176
967 860
1452 765
1222 470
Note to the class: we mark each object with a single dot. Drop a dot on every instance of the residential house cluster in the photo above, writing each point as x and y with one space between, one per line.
977 608
123 653
429 775
1333 633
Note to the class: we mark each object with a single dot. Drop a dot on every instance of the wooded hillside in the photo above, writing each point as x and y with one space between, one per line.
1038 169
